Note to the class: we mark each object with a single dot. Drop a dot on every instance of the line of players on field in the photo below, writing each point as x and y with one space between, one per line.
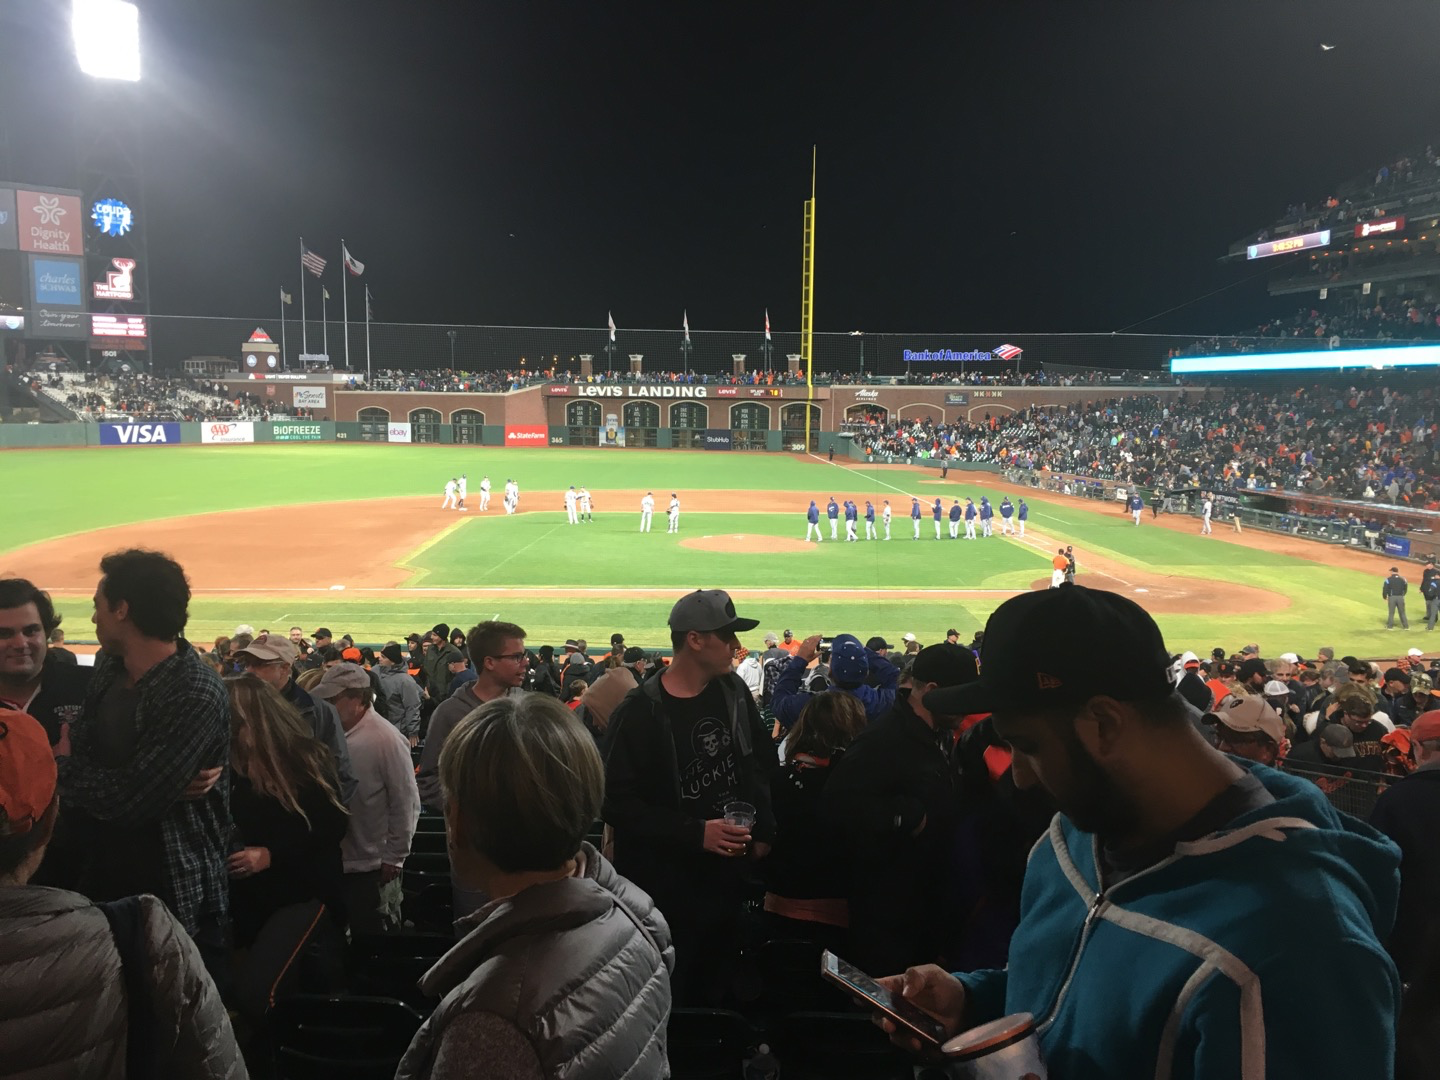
456 490
1012 518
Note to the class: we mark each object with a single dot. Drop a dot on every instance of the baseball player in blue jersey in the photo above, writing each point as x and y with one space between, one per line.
812 522
852 514
970 516
987 516
1022 515
1136 505
1007 511
955 520
832 511
870 521
939 512
915 517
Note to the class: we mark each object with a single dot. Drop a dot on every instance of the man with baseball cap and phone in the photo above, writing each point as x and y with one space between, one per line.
1186 907
687 791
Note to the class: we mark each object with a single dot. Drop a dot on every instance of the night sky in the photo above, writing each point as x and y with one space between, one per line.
1013 166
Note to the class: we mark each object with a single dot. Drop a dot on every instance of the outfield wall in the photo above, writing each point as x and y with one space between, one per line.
661 416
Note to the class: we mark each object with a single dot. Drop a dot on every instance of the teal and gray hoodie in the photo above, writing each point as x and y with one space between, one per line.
1213 962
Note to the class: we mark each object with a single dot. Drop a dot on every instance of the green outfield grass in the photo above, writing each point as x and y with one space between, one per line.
61 492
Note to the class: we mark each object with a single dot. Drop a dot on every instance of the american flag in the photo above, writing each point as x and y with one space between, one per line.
312 262
1008 352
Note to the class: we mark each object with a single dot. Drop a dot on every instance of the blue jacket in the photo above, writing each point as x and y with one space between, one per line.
869 511
954 511
851 513
1210 963
1006 509
915 509
831 510
969 511
986 510
1024 511
788 700
1137 503
938 510
813 514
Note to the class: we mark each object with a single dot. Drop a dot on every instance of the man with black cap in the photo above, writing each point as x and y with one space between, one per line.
893 796
1253 675
1430 592
686 748
1393 593
436 664
399 694
1186 908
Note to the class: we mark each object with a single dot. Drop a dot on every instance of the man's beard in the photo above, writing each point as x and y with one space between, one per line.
1096 803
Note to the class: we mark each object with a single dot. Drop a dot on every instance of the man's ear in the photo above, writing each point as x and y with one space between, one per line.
121 610
1102 724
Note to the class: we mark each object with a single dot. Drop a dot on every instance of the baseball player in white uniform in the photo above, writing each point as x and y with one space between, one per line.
1206 507
460 488
673 514
647 510
585 515
485 493
512 496
570 500
449 503
885 517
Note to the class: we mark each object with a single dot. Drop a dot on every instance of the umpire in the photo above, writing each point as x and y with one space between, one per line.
1393 592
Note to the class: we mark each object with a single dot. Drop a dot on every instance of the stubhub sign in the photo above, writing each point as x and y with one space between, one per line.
138 434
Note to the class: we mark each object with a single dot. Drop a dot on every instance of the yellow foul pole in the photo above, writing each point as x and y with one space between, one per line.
807 300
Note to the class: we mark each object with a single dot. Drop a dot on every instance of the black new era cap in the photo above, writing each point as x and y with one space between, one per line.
1059 647
708 611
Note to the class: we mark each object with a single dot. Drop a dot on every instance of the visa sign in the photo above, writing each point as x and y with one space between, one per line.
138 434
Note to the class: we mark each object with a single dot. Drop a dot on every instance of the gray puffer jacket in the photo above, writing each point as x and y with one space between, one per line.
581 966
63 1012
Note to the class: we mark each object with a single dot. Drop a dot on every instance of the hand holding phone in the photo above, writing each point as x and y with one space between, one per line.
918 1010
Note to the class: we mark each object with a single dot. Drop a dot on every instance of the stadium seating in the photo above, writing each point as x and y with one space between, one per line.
354 1037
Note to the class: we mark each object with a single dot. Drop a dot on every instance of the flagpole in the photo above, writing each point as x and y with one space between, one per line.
304 326
284 364
367 335
345 298
324 320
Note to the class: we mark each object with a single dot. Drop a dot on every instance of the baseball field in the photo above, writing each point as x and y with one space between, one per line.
353 537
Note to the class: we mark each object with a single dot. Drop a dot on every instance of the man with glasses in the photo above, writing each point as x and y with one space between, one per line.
685 747
271 658
497 653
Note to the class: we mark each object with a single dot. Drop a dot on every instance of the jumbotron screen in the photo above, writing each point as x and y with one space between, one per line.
1399 357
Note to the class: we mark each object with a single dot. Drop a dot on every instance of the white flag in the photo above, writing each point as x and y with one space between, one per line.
612 326
767 324
285 297
354 265
685 319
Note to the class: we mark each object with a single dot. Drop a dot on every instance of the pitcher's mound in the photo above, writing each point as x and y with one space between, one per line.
733 542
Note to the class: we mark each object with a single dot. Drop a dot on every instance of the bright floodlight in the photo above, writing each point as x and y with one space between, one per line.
107 38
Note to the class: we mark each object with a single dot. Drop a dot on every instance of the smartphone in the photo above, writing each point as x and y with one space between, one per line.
826 642
856 983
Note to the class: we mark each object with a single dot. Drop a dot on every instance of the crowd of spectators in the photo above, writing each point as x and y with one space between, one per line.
448 382
886 801
1394 319
1373 443
1393 180
144 397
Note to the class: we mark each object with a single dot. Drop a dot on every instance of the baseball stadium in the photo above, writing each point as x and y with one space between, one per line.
355 534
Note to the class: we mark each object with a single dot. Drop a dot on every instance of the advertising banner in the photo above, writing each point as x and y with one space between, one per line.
310 397
234 432
612 434
139 434
957 399
558 390
1375 228
527 435
399 432
727 391
49 223
49 322
8 235
296 432
717 439
57 281
119 283
1398 546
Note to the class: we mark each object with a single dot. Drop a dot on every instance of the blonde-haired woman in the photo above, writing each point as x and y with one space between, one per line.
285 871
566 971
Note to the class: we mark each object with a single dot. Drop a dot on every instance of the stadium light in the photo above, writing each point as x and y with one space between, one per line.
107 38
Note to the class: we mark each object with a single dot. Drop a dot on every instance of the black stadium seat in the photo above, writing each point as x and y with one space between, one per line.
357 1038
390 965
708 1044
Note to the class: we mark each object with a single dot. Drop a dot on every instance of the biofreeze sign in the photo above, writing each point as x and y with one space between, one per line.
138 434
296 432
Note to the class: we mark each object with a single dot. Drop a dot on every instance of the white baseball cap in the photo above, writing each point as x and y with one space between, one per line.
1290 657
908 637
1416 652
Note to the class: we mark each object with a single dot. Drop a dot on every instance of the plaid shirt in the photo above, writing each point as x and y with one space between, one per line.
183 723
